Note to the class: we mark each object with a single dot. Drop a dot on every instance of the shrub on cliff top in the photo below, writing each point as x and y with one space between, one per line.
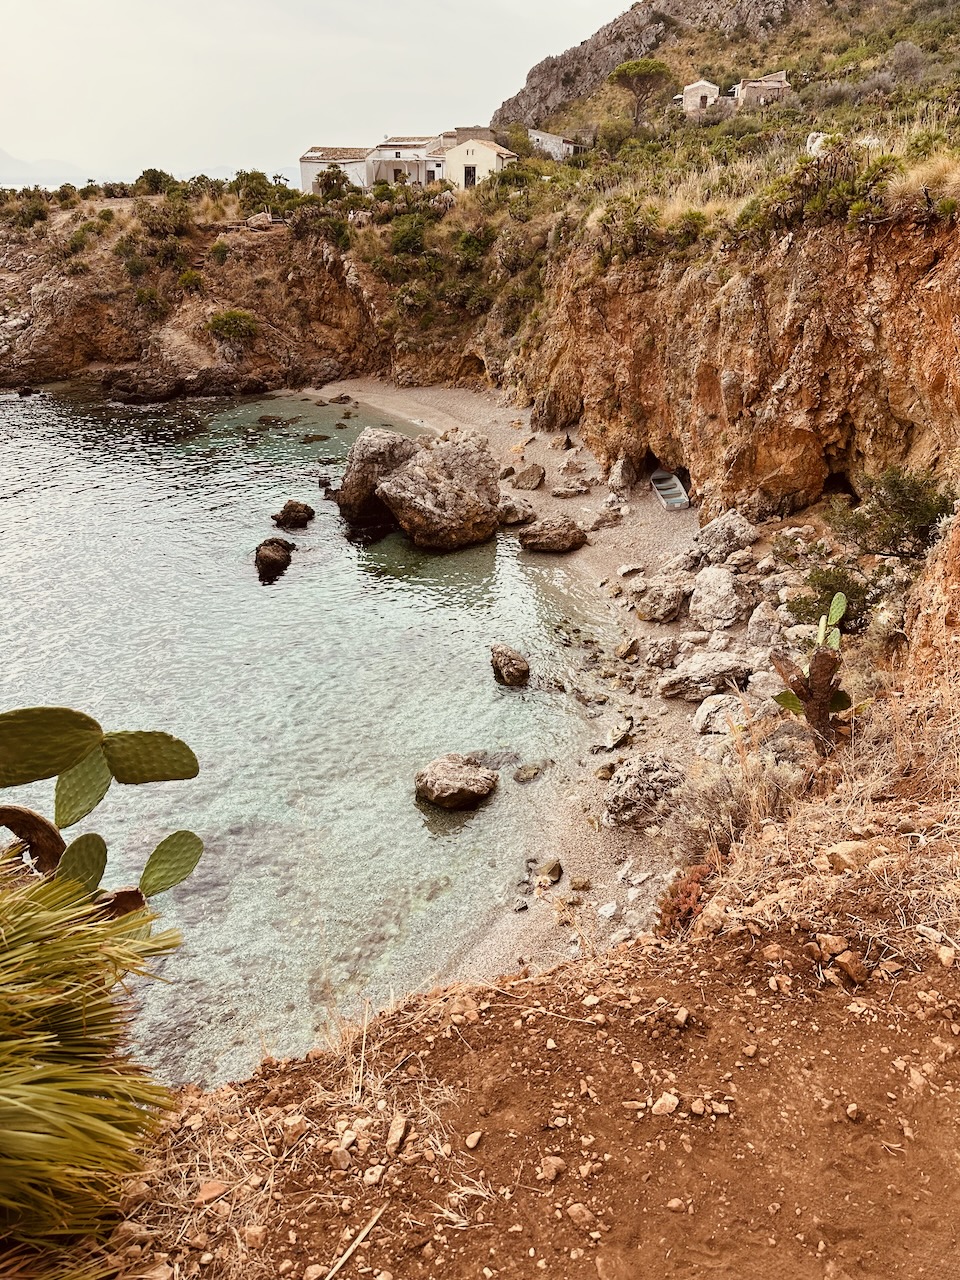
900 514
234 325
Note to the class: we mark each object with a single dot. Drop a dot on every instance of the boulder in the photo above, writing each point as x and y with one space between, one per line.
509 667
661 653
455 782
623 476
294 515
716 603
763 687
764 629
724 535
529 478
512 510
604 519
272 558
446 495
703 673
636 791
660 599
556 533
570 489
374 455
714 713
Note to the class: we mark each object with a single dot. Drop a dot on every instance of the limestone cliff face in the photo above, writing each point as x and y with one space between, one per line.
314 318
764 375
557 81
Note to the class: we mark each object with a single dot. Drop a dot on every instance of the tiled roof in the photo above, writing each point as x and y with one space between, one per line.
501 151
396 142
336 153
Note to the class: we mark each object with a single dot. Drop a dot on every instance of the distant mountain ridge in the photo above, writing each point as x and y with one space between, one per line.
41 173
557 81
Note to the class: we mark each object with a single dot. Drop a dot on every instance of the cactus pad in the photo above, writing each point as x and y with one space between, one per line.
148 757
171 861
40 742
85 861
81 788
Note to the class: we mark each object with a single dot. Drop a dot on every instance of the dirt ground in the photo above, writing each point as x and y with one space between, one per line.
668 1109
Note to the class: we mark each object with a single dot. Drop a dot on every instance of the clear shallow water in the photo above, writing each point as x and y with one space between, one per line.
126 562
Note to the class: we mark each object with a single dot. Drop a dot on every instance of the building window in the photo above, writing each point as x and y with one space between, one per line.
396 155
431 177
469 175
703 101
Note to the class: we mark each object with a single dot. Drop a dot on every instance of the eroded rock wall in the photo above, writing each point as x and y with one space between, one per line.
766 375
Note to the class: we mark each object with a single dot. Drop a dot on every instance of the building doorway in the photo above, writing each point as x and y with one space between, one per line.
469 175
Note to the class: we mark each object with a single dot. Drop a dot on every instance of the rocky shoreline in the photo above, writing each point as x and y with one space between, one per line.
660 691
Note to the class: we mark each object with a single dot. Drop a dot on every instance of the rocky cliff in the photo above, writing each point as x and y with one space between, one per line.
313 319
557 81
768 376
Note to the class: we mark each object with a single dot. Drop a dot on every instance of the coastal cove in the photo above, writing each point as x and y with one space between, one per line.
128 548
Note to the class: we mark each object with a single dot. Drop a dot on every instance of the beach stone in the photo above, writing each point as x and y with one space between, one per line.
528 772
509 666
511 510
556 533
571 489
764 629
529 478
638 788
604 520
272 558
660 599
724 535
716 603
374 455
661 653
713 713
446 495
701 674
623 476
294 515
455 782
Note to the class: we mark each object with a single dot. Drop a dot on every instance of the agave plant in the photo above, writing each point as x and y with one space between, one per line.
46 742
72 1104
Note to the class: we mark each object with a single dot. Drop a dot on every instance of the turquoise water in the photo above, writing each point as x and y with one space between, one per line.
126 558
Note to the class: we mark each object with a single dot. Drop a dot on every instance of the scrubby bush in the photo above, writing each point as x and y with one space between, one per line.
407 234
219 252
150 302
190 281
168 217
234 325
899 516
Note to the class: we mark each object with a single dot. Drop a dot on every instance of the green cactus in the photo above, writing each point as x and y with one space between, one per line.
40 742
135 758
171 861
813 688
81 788
85 861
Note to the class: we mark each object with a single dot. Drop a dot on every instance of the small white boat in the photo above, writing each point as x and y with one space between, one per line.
669 490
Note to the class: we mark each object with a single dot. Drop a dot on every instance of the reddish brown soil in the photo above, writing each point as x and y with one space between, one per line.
829 1144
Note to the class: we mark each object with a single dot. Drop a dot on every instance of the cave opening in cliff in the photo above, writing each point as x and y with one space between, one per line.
839 484
652 463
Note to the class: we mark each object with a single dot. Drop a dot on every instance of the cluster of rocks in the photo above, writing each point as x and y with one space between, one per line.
272 556
444 492
735 609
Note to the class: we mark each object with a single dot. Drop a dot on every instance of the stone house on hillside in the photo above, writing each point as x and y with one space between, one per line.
469 163
762 91
554 145
699 96
352 160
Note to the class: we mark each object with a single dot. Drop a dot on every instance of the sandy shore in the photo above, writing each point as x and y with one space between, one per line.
626 868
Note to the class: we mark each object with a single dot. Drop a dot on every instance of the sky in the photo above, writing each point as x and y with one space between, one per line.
204 85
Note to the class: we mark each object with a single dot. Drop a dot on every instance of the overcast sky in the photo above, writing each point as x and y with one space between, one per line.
199 85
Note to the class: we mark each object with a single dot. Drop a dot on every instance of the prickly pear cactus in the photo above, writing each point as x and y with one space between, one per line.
40 742
171 861
81 788
85 861
148 757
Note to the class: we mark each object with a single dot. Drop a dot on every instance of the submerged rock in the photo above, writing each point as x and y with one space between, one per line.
446 495
273 558
509 666
373 456
455 782
294 515
555 533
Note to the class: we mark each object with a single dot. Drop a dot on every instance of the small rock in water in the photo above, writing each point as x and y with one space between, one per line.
455 782
294 515
273 558
509 666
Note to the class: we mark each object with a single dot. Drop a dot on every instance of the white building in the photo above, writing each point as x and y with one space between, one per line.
762 91
396 159
473 160
555 146
699 96
352 160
